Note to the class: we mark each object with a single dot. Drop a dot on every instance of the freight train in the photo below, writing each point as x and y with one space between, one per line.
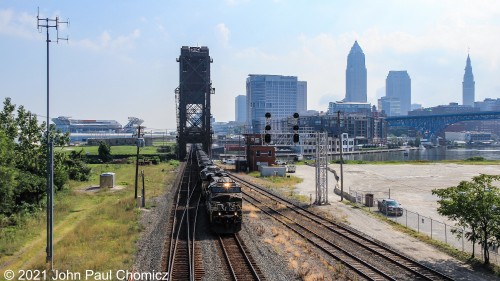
223 198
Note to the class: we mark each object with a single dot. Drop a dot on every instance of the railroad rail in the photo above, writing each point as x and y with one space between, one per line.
183 256
238 259
368 258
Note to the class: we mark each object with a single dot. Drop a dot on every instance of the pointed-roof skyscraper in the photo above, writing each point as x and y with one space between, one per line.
468 85
355 75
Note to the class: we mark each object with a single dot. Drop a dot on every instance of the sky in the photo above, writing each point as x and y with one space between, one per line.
120 60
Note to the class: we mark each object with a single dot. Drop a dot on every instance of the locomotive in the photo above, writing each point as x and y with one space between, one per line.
223 197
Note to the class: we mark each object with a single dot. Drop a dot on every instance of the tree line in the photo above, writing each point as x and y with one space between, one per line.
23 162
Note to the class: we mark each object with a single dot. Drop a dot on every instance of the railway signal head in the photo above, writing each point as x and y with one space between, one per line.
268 127
295 138
268 115
267 138
296 115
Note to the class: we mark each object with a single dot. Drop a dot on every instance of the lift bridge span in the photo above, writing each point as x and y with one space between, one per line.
433 125
193 99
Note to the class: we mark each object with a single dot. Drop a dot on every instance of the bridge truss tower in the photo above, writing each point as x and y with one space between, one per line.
193 99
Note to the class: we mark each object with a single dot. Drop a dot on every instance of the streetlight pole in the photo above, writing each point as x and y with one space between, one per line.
138 144
49 23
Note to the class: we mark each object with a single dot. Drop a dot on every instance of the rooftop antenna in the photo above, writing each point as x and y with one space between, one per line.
48 23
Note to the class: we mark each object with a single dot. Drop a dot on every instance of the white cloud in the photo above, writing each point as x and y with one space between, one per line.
223 34
105 42
22 25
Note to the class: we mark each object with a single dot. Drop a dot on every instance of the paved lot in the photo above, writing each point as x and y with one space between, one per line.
410 184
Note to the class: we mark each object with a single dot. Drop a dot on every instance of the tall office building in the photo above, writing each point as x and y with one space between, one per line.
398 85
355 75
468 85
241 109
276 94
301 97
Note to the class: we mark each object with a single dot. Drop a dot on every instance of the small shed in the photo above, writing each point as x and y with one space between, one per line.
268 171
107 180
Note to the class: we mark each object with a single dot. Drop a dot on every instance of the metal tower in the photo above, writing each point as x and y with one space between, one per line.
321 168
193 98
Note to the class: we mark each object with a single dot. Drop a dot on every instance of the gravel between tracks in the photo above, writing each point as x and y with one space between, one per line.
154 221
280 255
150 246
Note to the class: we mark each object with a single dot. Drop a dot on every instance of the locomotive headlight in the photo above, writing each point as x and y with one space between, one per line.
236 213
226 185
219 213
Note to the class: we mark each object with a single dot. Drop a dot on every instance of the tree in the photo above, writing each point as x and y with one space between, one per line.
7 175
23 160
473 204
104 152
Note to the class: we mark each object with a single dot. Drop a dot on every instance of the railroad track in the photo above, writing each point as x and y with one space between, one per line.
183 254
238 259
368 258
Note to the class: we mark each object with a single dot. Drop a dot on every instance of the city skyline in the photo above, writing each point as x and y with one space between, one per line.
118 66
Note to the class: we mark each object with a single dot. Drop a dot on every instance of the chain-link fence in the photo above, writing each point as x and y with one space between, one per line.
437 230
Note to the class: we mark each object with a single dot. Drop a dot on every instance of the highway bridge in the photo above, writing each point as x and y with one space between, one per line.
433 125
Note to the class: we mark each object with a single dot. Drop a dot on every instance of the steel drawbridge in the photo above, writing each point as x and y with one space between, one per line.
193 99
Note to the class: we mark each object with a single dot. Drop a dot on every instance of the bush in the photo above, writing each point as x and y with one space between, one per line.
475 159
104 151
155 160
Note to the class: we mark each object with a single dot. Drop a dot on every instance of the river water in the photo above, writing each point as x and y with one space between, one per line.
430 154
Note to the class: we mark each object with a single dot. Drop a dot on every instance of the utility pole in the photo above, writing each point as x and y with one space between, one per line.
138 144
49 23
341 159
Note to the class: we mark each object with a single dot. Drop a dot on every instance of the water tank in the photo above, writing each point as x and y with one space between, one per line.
107 180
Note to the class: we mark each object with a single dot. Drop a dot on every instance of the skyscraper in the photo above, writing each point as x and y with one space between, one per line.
276 94
398 85
468 85
355 74
240 109
301 96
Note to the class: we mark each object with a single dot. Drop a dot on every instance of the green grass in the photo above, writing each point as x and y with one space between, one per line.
92 230
285 185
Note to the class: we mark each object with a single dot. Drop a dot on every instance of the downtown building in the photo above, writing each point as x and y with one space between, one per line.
356 89
282 96
398 85
397 100
468 85
240 109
